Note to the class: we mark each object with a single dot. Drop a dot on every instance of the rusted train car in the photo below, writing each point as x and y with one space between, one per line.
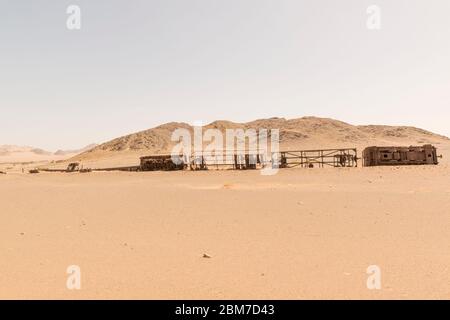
394 156
161 162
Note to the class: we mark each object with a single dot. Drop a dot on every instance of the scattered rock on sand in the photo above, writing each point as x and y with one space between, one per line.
206 256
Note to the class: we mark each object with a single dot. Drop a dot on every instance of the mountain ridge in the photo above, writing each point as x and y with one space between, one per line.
305 132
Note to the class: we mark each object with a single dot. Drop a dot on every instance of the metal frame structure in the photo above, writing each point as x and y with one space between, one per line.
238 160
241 160
321 157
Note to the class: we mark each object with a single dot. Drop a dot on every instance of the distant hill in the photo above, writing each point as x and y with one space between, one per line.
77 151
11 153
300 133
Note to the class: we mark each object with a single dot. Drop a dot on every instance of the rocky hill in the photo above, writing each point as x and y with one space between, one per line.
300 133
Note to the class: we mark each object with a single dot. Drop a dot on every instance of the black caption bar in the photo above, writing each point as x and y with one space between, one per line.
226 309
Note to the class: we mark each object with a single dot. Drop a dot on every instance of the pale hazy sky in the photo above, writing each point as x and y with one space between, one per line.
139 63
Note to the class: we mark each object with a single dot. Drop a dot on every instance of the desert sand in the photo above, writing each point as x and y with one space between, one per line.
299 234
303 233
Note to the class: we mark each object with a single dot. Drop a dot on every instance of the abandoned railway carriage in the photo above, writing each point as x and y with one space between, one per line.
394 156
161 162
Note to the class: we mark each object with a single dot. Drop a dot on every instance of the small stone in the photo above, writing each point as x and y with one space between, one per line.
206 256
